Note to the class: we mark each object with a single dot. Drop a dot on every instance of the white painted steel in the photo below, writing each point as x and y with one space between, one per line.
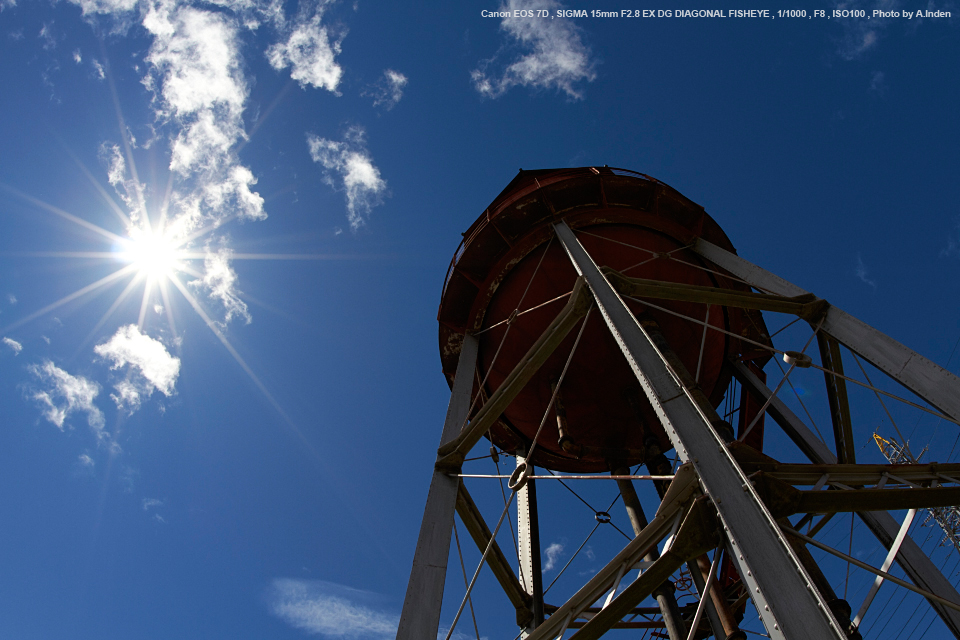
891 555
796 609
420 617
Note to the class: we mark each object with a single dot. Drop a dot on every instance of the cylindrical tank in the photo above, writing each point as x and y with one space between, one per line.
510 261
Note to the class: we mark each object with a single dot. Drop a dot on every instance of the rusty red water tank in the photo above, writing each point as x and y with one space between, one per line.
509 261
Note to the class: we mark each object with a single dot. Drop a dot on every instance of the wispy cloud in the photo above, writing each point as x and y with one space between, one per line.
387 91
14 345
348 165
150 503
862 272
547 54
85 461
861 35
151 366
330 610
553 552
220 282
12 299
61 394
310 50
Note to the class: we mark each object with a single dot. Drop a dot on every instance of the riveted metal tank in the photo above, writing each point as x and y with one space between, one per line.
509 261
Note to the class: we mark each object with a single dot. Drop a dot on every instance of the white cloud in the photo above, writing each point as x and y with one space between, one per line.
77 57
388 91
310 51
330 610
13 344
150 503
12 298
197 78
862 272
85 460
552 55
355 172
46 34
98 70
878 84
860 36
153 368
62 394
220 282
89 7
553 553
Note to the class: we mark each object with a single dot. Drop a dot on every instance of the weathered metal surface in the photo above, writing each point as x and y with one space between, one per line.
836 387
528 541
675 506
928 380
451 454
498 563
420 617
795 606
664 593
805 306
508 261
698 534
911 558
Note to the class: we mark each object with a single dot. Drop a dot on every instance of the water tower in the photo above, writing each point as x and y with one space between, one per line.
593 320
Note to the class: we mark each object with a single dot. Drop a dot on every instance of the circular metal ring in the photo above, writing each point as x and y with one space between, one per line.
519 477
602 517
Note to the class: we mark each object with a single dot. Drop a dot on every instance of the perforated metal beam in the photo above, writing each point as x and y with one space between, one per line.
793 608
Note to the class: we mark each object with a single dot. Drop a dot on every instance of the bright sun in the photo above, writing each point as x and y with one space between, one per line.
154 255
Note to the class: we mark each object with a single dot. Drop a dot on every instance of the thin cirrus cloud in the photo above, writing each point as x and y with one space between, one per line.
61 395
335 611
15 346
388 90
330 610
152 368
553 552
220 282
347 165
863 274
550 55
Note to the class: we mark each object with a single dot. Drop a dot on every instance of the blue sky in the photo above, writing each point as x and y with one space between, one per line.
246 454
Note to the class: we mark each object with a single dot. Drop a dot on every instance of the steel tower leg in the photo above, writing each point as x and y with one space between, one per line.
528 532
666 599
420 617
787 601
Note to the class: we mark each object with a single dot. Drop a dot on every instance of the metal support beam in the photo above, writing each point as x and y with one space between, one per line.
911 558
420 617
675 505
450 455
837 395
805 306
928 380
498 563
528 534
698 534
666 599
796 609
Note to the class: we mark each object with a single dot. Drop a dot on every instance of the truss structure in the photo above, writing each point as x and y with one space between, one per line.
725 498
947 517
